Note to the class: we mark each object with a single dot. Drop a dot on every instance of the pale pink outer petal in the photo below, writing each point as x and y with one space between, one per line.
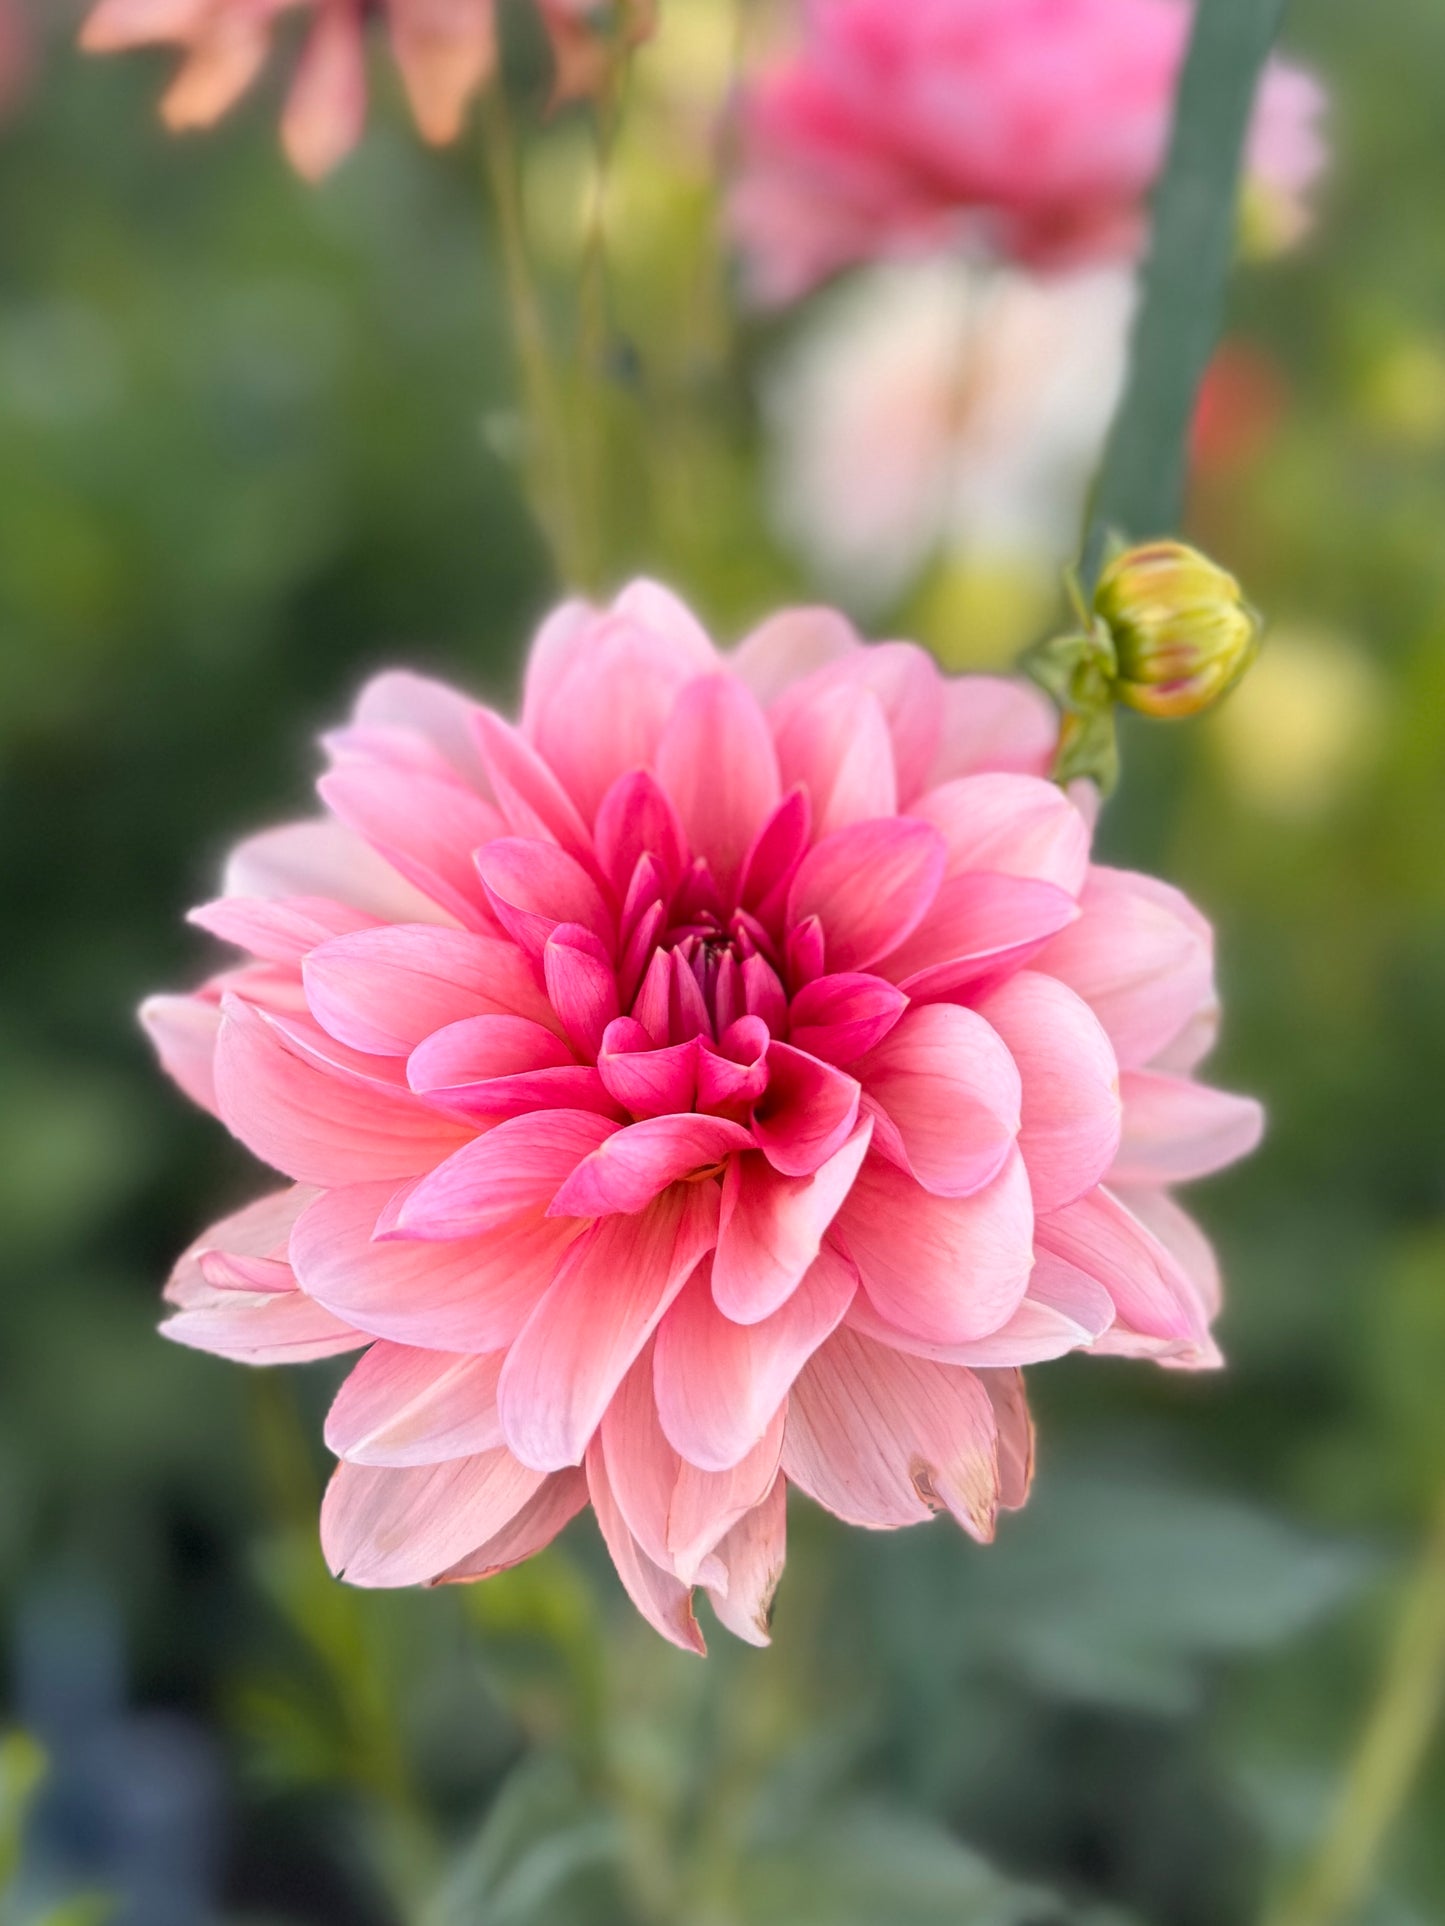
994 723
1015 1436
1070 1081
324 858
1142 958
663 1600
715 759
402 1406
980 927
677 1512
1185 1242
326 107
424 826
840 750
271 1324
634 1165
751 1557
390 1525
882 1440
555 1503
1063 1311
386 990
312 1125
771 1228
183 1032
446 717
510 1170
719 1384
870 885
471 1294
949 1269
282 930
904 680
789 646
607 1298
532 801
1011 825
951 1096
1175 1129
1154 1296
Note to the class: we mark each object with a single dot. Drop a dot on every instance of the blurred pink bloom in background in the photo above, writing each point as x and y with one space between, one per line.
16 54
934 407
446 50
725 1079
1031 129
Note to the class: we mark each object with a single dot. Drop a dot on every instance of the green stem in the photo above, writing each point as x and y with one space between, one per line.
549 468
1392 1747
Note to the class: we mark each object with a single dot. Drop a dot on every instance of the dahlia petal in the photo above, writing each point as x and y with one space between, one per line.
790 646
676 1512
222 60
481 1049
807 1113
183 1032
773 859
516 1167
1099 1237
735 1070
882 1440
1071 1106
1015 1436
994 723
444 57
840 751
402 1406
719 1384
433 710
1141 957
310 1124
637 820
752 1556
771 1228
950 1094
663 1600
402 1525
326 107
424 826
534 886
386 990
763 994
1062 1311
581 985
323 858
632 1166
649 1082
908 687
580 1341
533 803
1185 1242
554 1504
471 1294
981 927
1175 1129
1011 825
949 1269
282 930
715 759
840 1018
870 886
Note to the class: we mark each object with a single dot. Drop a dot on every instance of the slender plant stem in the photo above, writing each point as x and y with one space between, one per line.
1392 1747
549 468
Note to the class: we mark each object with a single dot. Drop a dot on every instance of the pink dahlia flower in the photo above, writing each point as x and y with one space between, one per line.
1032 128
446 50
727 1079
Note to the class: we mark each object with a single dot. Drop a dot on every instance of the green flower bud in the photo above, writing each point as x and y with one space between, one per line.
1182 631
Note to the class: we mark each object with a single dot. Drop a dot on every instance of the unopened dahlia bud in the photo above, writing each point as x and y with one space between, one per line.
1182 631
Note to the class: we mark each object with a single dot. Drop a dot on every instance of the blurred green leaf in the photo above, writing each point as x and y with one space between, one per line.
545 1856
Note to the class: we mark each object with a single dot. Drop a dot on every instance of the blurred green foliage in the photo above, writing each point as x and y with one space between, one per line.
256 439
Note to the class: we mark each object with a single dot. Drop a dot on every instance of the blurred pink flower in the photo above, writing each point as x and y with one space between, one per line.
1031 128
446 50
16 53
726 1079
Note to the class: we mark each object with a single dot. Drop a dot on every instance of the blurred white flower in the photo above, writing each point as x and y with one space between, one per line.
939 407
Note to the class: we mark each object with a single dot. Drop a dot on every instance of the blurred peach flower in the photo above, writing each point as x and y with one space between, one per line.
724 1080
446 50
1031 129
933 407
16 53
